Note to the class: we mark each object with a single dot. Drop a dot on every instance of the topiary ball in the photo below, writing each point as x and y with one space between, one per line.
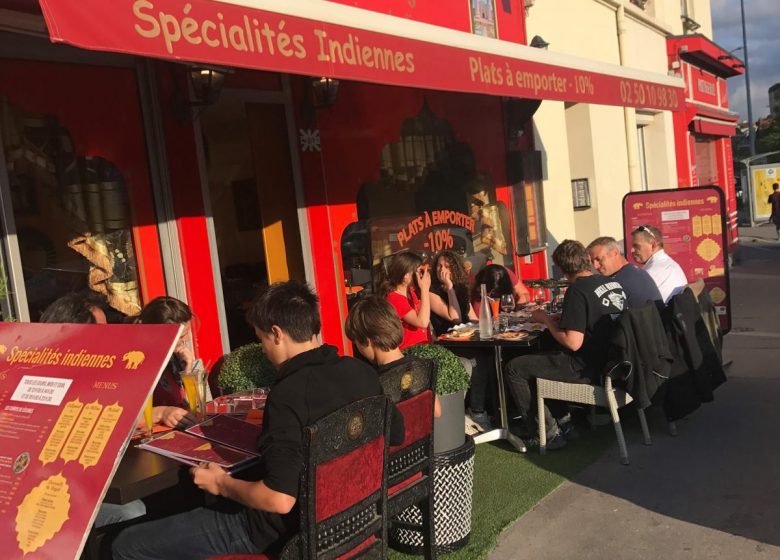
451 376
245 368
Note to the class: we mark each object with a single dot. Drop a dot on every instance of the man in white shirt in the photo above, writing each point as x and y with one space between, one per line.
647 247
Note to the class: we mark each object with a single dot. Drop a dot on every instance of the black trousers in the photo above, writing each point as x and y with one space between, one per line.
555 366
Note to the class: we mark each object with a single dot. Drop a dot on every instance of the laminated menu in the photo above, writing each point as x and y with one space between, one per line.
229 442
70 398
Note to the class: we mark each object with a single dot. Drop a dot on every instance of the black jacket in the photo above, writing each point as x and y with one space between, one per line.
639 338
697 369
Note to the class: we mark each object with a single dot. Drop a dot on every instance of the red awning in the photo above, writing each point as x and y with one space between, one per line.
712 127
319 38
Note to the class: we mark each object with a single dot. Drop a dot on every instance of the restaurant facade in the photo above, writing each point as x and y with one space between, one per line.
205 149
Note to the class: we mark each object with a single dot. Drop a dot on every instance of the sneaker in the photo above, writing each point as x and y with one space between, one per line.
481 419
556 442
568 430
472 429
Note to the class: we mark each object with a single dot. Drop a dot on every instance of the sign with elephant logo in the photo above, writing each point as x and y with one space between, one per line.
70 398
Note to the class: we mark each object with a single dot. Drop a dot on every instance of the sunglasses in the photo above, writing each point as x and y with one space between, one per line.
647 230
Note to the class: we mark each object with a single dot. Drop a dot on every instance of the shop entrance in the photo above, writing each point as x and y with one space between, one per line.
252 195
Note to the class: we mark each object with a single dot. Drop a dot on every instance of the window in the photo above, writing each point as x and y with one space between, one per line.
642 153
525 170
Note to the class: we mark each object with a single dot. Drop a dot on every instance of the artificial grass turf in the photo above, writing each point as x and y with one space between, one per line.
507 484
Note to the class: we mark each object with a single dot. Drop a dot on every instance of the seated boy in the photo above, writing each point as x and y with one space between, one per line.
373 325
258 515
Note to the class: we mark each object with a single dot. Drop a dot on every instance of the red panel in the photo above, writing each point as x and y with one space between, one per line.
349 479
704 86
326 49
191 223
714 128
681 149
99 107
418 418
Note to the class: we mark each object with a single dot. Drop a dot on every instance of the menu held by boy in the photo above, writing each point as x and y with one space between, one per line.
70 398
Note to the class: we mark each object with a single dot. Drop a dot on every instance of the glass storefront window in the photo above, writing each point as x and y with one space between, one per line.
74 154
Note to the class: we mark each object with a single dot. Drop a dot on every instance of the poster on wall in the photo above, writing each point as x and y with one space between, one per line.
483 18
761 187
693 223
70 397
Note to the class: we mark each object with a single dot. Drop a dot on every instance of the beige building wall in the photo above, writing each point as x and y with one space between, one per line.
592 141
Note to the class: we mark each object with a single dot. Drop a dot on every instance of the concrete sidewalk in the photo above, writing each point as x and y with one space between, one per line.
713 491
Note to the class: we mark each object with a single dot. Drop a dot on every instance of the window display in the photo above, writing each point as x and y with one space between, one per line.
71 212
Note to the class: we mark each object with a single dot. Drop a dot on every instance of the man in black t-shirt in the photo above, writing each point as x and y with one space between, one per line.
262 514
591 302
607 259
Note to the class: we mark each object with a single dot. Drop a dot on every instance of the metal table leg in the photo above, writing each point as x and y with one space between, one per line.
503 431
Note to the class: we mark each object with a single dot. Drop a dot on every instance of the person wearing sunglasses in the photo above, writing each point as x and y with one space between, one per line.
647 248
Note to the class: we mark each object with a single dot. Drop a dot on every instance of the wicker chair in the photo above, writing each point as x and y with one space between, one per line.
606 396
411 385
343 491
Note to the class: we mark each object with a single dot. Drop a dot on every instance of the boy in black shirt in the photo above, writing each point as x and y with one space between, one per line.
375 328
312 381
590 303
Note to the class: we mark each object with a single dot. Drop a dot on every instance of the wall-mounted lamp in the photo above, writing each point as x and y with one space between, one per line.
324 92
206 84
538 43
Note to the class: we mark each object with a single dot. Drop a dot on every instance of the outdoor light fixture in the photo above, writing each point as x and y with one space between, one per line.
538 43
324 91
207 83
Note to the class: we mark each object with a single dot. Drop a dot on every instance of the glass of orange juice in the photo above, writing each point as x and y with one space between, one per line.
148 423
195 390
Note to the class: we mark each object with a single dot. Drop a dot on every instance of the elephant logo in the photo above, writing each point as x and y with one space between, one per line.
133 359
712 199
2 349
637 205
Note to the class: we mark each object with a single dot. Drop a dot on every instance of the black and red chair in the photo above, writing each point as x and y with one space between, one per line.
411 386
343 492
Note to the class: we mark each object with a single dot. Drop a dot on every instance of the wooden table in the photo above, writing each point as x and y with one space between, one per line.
141 474
497 344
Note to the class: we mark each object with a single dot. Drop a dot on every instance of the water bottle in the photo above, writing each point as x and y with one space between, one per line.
485 318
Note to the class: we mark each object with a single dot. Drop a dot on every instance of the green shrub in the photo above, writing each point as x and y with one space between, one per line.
246 367
451 376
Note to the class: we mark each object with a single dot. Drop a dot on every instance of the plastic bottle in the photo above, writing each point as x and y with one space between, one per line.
485 319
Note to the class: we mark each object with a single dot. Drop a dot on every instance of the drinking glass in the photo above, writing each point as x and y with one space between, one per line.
148 424
195 390
507 303
540 296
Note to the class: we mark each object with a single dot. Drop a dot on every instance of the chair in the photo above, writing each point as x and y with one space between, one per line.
343 491
607 396
411 386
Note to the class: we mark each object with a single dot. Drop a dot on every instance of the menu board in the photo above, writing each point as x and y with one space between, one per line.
70 398
692 221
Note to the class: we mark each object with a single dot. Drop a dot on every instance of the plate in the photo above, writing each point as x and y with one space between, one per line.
511 335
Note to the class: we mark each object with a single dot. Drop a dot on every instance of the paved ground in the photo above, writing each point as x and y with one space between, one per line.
713 492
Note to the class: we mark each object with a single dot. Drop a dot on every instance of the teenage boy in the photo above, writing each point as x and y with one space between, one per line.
258 515
590 303
373 325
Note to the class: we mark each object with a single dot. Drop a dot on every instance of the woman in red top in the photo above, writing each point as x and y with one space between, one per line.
407 288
